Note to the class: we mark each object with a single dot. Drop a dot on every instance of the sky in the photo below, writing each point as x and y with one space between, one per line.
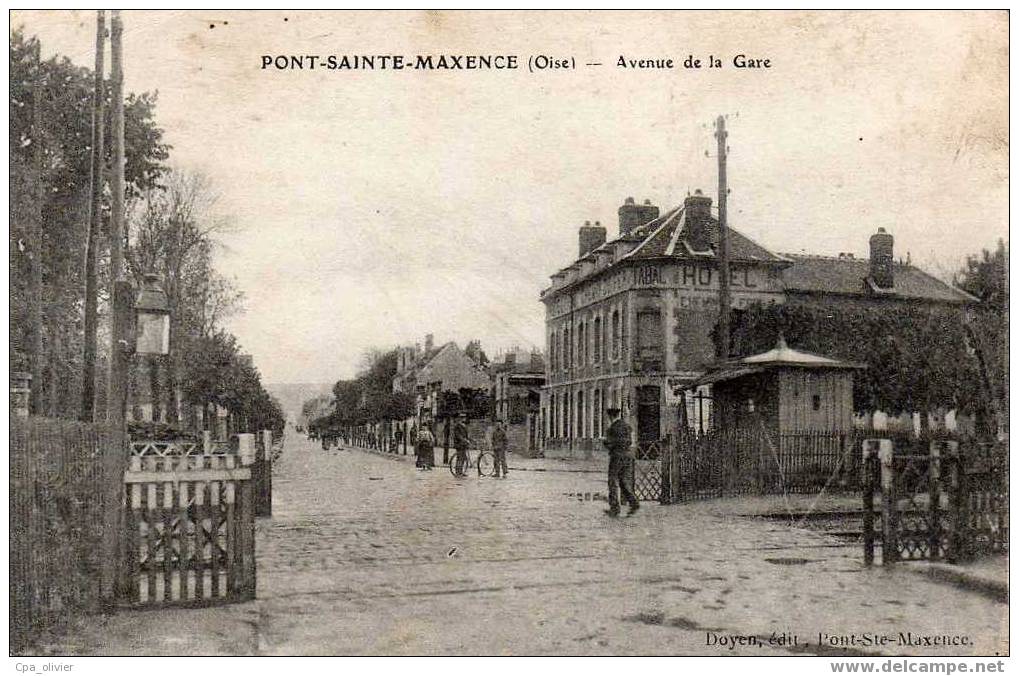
371 208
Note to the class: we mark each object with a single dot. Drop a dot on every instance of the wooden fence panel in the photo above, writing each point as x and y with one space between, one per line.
192 522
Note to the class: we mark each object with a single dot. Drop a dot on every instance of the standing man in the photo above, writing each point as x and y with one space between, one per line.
617 441
461 442
499 442
445 442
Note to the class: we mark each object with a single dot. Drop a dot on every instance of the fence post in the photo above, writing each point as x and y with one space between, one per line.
267 482
959 501
665 454
246 540
675 490
889 505
113 540
934 493
246 448
869 469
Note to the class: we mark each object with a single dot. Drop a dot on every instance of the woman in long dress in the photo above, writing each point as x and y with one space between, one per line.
425 448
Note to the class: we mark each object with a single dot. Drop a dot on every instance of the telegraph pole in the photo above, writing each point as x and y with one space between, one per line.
88 385
724 299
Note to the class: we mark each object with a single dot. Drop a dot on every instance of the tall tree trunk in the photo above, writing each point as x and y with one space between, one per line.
65 367
56 358
88 386
35 318
121 295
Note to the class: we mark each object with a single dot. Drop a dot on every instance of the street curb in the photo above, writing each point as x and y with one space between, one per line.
381 454
567 471
985 586
397 456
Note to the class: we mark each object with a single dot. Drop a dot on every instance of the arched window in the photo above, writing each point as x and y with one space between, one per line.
615 334
597 340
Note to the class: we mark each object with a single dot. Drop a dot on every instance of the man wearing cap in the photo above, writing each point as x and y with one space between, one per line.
499 443
617 441
461 442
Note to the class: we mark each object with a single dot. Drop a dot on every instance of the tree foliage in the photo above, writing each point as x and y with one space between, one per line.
223 376
171 228
917 355
57 191
986 277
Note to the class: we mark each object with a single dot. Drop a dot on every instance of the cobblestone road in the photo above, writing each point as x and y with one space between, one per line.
366 555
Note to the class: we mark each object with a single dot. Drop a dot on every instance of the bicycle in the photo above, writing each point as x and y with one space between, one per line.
485 464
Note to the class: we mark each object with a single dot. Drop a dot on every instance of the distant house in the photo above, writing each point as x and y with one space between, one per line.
450 369
516 396
409 360
429 372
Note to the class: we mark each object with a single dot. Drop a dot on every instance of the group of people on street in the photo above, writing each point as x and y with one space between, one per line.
457 433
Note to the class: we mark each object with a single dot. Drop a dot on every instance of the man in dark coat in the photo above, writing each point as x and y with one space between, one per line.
499 443
445 442
461 442
617 441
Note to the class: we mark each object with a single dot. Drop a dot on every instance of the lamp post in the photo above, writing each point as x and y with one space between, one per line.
152 318
141 326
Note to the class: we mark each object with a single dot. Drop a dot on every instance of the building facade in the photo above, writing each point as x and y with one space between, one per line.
632 319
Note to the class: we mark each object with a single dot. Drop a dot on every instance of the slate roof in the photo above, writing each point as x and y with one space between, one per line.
666 236
850 276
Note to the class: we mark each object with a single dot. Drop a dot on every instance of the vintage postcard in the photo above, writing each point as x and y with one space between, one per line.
510 333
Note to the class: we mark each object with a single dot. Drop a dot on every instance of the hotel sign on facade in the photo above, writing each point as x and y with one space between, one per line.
696 285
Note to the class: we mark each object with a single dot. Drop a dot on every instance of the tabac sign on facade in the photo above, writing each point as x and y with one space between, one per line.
697 276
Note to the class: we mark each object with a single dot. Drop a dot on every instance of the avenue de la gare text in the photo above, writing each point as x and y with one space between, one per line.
343 62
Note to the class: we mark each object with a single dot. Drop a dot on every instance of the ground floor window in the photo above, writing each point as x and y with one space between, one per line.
581 427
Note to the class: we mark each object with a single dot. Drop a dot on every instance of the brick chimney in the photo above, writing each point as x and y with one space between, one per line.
698 221
881 261
591 237
429 342
633 215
